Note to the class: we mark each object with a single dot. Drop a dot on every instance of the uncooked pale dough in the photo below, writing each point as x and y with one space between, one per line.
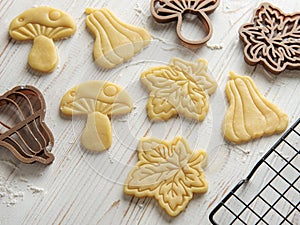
198 72
98 100
115 41
250 115
42 25
167 171
179 88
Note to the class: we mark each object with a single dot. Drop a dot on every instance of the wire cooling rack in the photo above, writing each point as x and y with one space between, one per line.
270 194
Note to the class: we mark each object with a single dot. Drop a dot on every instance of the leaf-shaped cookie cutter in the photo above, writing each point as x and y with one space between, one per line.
165 11
272 39
26 135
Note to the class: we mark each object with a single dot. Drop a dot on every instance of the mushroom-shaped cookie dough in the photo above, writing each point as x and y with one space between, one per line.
43 25
99 100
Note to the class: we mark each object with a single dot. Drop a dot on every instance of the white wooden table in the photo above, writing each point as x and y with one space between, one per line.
84 188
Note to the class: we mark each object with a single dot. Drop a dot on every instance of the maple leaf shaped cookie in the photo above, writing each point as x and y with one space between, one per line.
272 39
169 172
178 88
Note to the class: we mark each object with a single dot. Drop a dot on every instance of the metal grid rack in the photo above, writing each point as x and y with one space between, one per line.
278 201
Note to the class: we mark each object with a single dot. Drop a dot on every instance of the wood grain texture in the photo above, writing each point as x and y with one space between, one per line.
84 188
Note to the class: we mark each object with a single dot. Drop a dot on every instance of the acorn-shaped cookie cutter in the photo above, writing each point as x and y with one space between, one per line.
165 11
22 128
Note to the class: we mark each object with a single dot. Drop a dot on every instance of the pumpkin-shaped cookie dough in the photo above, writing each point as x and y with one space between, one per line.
98 100
115 41
250 115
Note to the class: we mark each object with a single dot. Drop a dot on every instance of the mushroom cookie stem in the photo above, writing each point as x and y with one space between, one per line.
97 135
43 56
98 100
42 25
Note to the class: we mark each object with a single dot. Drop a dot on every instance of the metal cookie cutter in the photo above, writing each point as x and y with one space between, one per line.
272 39
165 11
22 127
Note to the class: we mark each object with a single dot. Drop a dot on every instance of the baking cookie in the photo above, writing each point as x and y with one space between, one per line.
22 127
272 39
169 172
43 25
115 41
250 115
99 100
178 88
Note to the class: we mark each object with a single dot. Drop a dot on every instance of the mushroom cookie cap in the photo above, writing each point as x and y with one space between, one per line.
50 22
101 96
99 100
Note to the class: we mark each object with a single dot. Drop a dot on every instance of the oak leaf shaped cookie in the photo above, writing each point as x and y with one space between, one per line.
178 88
115 41
169 172
98 100
272 39
250 115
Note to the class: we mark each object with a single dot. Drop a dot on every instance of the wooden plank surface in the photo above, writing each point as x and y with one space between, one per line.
84 188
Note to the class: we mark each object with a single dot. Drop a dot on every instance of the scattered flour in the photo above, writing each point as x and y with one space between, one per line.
122 120
9 194
36 190
13 184
139 9
110 157
214 47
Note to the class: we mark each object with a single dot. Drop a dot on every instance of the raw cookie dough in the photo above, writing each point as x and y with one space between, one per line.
115 41
43 25
167 171
99 100
179 88
250 115
198 72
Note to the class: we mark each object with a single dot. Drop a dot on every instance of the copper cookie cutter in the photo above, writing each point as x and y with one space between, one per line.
23 131
272 39
165 11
